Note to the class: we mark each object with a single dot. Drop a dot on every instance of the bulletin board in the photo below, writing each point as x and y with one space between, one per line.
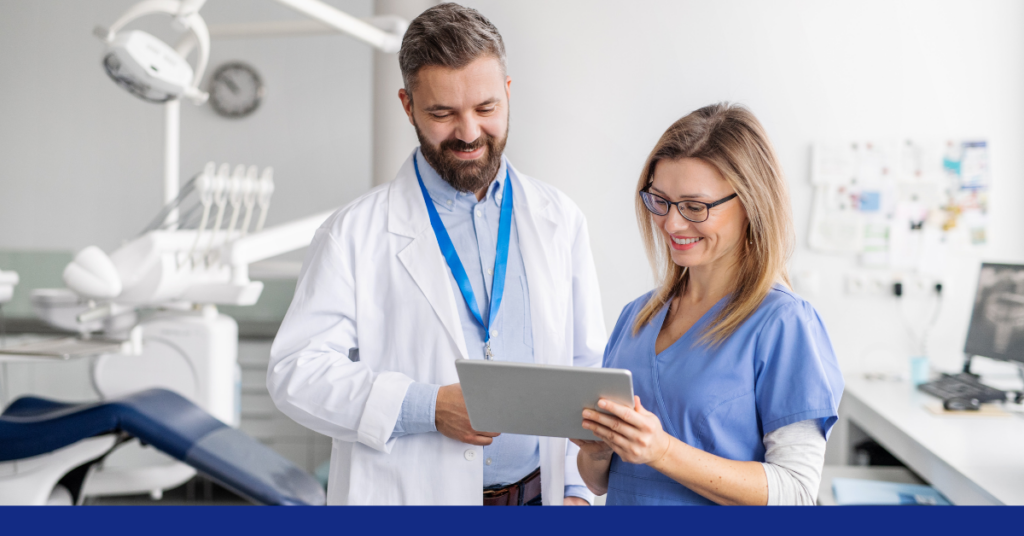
899 204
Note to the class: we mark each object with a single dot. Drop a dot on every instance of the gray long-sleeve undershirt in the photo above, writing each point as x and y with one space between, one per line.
794 457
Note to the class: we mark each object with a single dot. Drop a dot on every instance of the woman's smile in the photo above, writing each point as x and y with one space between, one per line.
683 243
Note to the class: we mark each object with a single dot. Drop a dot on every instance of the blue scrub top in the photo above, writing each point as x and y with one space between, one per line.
777 368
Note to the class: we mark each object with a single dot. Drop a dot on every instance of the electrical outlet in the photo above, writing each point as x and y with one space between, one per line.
856 284
875 284
879 285
919 285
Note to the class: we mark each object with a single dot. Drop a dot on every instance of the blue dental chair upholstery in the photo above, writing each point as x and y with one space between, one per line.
32 426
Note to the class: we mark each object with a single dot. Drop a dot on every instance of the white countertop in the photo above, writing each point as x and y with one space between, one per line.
971 459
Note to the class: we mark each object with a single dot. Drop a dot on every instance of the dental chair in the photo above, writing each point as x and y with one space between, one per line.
48 449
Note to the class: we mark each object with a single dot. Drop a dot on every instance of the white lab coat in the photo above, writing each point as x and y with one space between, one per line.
375 279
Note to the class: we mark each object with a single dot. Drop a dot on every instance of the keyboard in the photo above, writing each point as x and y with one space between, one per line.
963 386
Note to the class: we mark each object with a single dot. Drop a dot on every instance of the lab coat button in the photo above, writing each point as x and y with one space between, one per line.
470 455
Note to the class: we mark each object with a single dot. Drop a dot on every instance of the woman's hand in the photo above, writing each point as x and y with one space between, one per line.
635 435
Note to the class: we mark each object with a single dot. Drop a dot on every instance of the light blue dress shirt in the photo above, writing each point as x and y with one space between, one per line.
473 228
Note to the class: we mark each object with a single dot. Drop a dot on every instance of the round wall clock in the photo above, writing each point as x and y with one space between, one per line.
236 90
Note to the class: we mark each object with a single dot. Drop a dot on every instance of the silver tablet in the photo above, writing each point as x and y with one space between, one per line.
541 400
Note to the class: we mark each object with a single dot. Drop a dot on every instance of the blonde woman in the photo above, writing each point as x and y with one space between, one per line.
737 382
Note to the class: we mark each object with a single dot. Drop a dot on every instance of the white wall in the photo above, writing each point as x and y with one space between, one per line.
595 83
81 159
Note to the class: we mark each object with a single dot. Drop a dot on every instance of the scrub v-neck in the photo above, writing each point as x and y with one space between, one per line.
661 324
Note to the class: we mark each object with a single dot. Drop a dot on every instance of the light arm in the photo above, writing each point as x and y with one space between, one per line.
335 18
274 241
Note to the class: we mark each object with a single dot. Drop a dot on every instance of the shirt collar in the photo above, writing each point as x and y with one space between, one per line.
447 196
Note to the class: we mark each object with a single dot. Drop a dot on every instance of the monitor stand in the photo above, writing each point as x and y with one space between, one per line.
967 365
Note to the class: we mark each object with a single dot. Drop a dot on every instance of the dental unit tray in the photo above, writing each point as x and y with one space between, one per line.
64 348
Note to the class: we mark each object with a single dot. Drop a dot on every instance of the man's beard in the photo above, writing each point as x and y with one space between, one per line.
464 175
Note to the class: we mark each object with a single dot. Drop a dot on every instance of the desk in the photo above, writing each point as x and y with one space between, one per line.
970 460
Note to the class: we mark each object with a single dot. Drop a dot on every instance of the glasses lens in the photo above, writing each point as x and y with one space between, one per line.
695 212
654 203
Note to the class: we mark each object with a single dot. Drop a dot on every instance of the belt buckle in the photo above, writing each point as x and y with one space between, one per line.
515 491
508 496
490 493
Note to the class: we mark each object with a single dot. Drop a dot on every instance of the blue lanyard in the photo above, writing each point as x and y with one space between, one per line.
452 256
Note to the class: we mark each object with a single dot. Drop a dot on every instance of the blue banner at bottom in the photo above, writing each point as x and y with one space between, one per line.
478 521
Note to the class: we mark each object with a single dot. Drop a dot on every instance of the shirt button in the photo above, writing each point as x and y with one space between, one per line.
490 272
488 461
479 213
470 455
449 202
494 333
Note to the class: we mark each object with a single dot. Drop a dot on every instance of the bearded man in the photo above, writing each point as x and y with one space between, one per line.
402 282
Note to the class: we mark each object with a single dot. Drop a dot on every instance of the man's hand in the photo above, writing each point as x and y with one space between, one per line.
574 501
452 420
593 461
598 451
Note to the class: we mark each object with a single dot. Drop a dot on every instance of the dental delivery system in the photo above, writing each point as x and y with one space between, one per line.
147 312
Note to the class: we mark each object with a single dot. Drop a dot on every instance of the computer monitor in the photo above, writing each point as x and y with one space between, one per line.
997 321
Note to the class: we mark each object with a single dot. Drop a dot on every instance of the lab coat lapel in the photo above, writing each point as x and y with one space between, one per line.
537 227
407 216
538 231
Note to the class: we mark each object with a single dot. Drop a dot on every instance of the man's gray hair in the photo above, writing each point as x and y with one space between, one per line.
447 35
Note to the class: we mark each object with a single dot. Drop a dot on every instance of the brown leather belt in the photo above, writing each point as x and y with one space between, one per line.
516 494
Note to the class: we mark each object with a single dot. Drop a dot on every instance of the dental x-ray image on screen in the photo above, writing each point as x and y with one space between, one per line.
997 323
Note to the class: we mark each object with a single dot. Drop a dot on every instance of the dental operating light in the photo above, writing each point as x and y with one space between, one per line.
147 67
151 69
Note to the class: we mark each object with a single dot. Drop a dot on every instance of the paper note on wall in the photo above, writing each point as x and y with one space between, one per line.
894 203
833 163
835 225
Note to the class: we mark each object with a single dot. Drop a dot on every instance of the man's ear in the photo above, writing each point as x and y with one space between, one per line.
406 99
508 87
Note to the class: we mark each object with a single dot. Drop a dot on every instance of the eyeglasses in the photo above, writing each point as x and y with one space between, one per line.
695 211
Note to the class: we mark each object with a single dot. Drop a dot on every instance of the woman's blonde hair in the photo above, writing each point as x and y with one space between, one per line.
728 137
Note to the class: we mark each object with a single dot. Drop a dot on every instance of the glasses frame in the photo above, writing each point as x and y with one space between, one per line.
677 204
